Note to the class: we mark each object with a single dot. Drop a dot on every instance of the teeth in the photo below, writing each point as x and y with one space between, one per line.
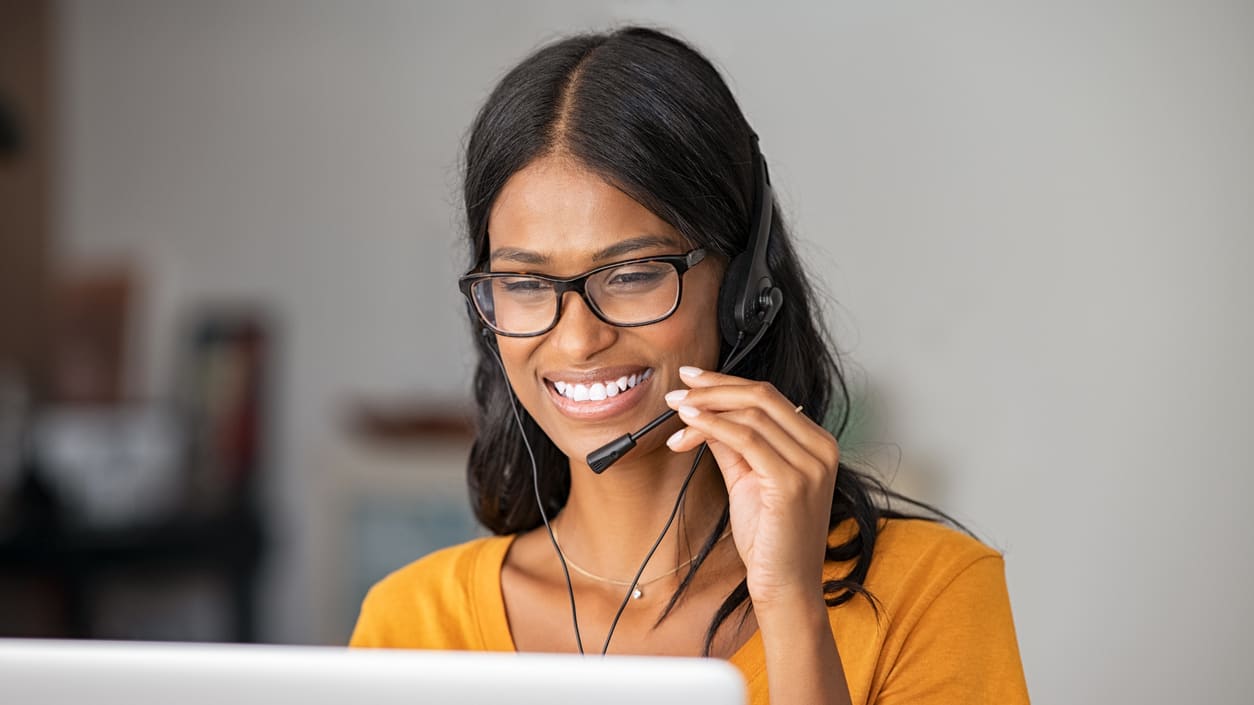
599 391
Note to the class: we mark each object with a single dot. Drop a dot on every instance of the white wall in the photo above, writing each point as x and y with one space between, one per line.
1035 219
300 155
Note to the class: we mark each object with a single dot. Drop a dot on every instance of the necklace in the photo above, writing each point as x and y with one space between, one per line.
637 592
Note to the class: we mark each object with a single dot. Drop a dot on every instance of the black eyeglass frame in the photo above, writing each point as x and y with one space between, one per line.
681 263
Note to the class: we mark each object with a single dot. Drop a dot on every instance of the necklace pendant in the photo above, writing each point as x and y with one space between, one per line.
636 594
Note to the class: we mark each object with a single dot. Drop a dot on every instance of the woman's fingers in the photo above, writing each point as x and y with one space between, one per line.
766 407
742 429
740 449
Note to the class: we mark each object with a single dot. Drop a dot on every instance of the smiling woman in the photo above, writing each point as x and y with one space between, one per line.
624 244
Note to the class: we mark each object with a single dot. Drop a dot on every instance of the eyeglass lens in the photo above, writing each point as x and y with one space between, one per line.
630 294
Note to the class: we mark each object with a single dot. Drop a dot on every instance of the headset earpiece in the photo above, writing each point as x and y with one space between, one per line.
749 299
731 300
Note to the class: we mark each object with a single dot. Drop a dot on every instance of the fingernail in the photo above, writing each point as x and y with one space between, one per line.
686 371
688 411
677 395
675 438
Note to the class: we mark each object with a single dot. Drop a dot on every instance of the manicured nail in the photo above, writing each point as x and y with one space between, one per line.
688 411
686 371
677 395
675 438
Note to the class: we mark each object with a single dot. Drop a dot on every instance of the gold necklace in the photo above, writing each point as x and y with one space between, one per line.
637 592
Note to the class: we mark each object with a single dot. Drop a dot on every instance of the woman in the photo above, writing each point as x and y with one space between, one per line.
611 180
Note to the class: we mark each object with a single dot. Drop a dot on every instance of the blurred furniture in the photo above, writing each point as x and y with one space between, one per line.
388 489
67 564
140 521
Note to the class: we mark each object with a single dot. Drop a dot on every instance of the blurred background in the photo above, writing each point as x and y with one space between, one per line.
234 372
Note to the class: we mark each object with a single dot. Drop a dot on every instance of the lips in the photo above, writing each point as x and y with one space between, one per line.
597 394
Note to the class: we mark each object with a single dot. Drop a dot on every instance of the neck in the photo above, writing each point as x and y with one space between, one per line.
612 520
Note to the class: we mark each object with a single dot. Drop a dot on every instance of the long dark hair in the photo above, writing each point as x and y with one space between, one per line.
652 116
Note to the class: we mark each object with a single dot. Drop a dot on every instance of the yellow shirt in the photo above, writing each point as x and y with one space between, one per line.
944 635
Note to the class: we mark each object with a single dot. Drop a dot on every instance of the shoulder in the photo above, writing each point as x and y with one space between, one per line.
446 567
937 625
927 547
915 562
427 602
916 546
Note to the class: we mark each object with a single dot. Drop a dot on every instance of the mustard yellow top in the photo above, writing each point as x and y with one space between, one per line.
945 632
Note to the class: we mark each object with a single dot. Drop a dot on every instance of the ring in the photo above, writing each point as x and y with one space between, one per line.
797 410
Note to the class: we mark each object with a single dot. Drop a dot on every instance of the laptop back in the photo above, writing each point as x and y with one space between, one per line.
36 672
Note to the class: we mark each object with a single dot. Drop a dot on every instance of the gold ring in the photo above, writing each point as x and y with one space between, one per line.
797 410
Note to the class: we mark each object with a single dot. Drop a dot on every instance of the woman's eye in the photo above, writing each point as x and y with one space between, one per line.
634 278
524 286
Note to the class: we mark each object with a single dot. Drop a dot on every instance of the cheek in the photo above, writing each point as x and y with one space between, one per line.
690 337
514 355
698 333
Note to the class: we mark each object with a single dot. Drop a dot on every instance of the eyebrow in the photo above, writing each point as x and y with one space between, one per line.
618 249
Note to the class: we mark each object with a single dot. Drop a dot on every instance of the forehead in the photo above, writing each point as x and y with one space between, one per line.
556 215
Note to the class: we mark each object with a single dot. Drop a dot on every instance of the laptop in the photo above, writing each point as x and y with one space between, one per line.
51 672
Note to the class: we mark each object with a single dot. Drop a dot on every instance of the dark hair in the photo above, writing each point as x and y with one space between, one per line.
653 117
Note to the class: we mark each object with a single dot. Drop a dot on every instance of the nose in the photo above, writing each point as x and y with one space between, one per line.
579 334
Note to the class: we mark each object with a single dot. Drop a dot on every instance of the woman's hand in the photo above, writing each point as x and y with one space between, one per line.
780 470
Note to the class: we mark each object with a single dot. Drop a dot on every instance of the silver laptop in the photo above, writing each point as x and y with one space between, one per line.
38 672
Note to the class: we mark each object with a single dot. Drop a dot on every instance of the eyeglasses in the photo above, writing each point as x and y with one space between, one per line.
633 293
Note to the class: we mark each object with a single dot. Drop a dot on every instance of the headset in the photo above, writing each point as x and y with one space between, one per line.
748 303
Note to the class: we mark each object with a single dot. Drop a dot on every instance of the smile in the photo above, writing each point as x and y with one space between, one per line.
577 391
589 399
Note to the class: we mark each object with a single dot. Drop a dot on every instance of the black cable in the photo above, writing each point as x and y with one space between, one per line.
674 510
535 482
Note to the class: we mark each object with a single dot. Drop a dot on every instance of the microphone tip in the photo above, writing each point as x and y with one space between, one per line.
602 458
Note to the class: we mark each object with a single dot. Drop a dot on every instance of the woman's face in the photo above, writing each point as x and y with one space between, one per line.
554 217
